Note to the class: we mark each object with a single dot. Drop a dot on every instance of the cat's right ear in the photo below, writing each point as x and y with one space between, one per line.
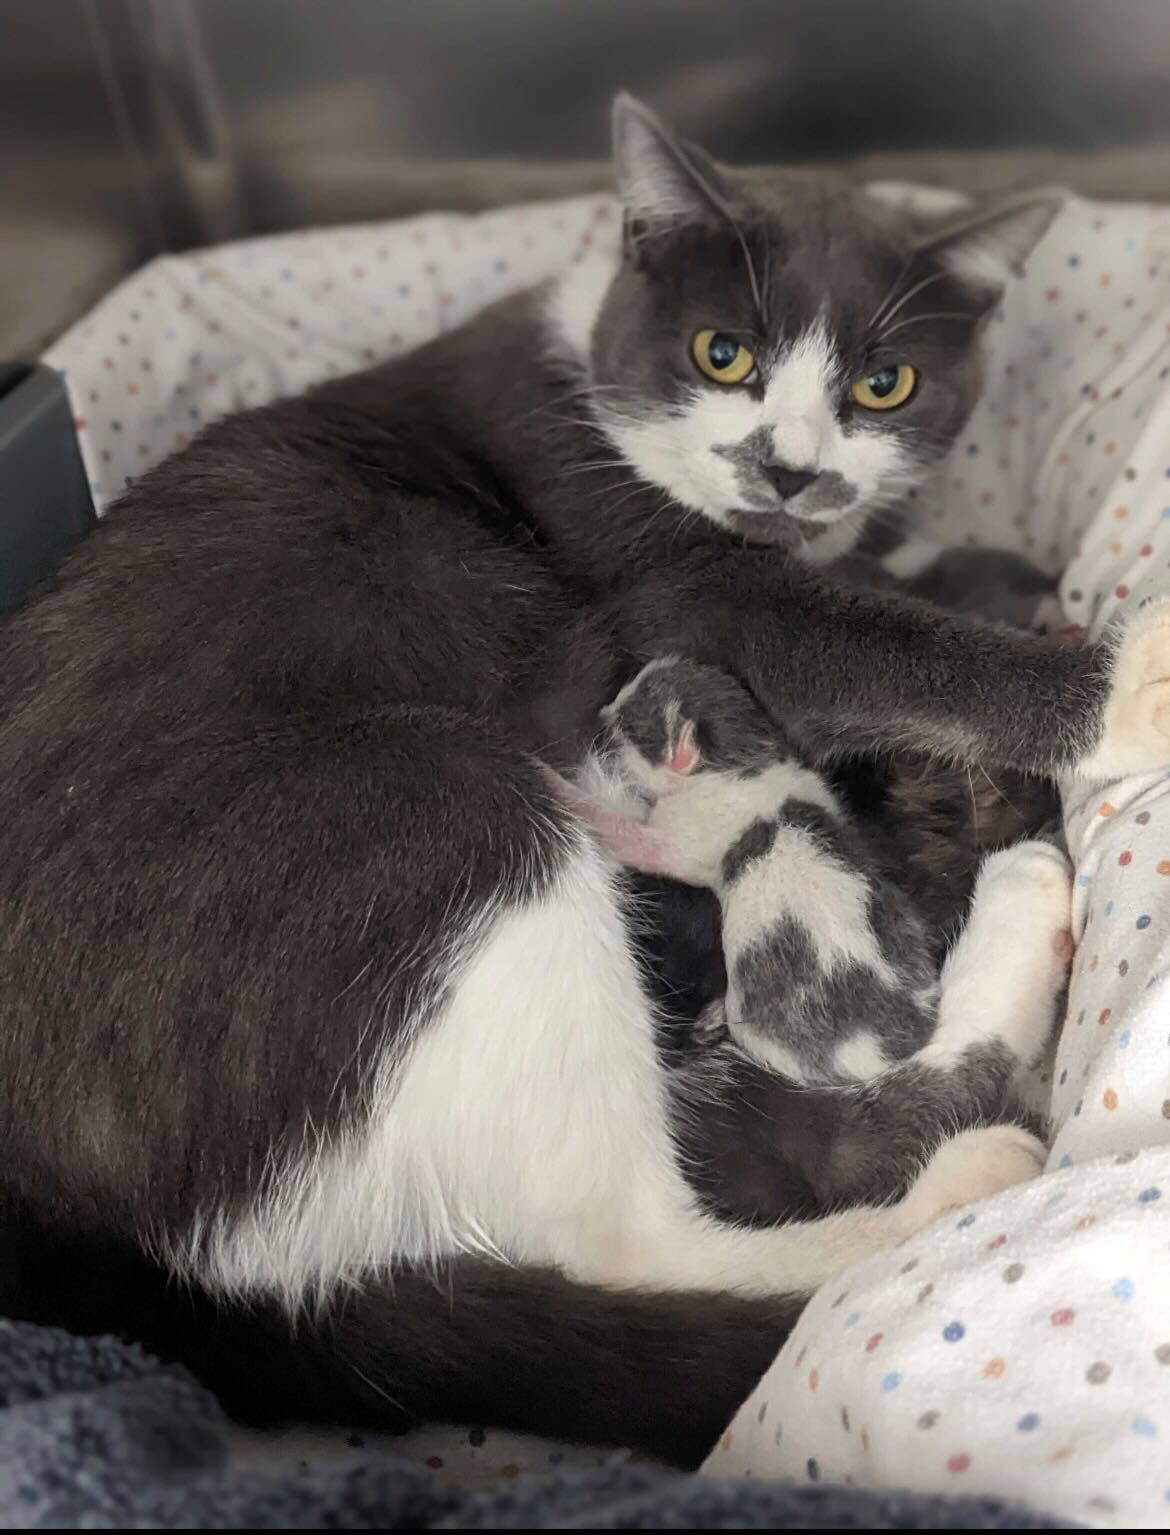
663 182
993 245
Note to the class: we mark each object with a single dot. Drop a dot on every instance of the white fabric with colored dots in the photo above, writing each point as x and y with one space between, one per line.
1020 1350
1025 1349
190 338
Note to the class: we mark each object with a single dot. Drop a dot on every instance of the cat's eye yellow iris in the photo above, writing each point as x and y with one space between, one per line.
885 388
721 357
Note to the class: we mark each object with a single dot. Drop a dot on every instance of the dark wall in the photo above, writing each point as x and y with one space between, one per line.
130 125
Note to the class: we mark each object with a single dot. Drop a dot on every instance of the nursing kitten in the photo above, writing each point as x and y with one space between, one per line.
320 1010
831 973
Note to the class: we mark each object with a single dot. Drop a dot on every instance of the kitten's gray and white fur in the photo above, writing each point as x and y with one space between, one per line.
832 975
317 999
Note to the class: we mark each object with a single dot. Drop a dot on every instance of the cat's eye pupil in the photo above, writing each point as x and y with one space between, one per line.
883 382
722 352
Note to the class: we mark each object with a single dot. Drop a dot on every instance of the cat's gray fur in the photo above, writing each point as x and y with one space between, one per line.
270 815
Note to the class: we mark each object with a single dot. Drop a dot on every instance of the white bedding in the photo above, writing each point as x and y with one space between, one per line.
1067 458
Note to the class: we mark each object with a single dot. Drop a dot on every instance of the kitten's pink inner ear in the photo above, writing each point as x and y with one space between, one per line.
685 757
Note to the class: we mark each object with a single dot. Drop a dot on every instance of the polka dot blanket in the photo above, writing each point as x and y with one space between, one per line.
1024 1348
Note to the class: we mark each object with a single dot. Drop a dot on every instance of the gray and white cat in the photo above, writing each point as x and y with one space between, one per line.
315 996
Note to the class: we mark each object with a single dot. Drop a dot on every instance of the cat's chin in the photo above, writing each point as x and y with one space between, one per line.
800 534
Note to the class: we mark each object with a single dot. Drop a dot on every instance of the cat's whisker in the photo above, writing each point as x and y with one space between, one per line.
719 202
595 464
892 309
584 392
921 319
891 294
995 788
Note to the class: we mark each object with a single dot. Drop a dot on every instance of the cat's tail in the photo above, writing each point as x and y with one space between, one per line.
479 1343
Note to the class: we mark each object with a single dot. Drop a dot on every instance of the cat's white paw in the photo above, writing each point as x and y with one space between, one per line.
1136 731
969 1167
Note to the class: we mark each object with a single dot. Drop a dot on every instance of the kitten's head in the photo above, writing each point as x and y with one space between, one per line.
780 358
679 717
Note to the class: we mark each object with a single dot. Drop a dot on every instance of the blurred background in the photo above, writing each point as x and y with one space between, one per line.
128 127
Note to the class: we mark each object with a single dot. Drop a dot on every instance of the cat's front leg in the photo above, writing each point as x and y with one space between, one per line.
881 670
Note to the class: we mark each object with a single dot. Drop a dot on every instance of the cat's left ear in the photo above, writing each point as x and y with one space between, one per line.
684 754
662 180
993 246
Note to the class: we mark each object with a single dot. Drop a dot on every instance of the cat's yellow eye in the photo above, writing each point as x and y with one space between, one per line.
885 388
722 358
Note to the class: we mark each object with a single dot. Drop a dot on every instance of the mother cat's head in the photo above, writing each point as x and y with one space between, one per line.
782 358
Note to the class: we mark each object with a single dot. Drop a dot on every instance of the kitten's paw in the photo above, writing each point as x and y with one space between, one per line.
1030 888
1135 737
711 1024
1037 869
969 1167
1008 972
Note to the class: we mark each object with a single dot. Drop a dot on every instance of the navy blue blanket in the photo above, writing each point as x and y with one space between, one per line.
96 1435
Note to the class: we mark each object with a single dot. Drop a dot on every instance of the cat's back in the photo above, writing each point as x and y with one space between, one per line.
299 558
268 695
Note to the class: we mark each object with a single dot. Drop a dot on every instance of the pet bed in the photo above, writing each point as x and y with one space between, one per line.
1024 1349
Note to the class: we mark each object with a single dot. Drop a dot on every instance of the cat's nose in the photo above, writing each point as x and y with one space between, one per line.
788 482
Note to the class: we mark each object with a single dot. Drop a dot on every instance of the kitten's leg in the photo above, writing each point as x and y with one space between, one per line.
711 1024
885 670
1005 977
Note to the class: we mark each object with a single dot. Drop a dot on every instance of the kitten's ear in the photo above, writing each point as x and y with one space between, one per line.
685 755
662 180
992 247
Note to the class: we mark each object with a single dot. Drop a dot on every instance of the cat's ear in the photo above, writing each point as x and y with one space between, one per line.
685 755
662 180
992 246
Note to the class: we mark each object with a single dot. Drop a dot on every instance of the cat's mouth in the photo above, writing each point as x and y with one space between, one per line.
784 527
770 517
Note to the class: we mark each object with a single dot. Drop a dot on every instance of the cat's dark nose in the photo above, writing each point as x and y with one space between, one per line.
788 482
